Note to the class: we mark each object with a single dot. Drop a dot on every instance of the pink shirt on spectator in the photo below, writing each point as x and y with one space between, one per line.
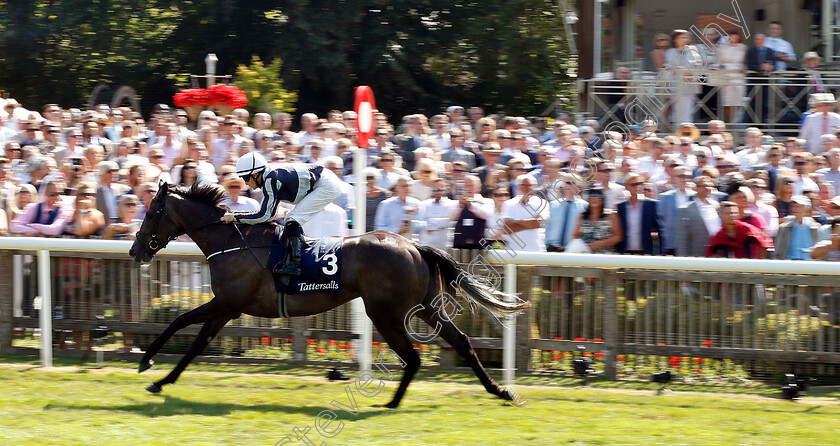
22 223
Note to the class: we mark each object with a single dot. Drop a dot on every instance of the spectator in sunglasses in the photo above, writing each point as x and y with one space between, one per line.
46 217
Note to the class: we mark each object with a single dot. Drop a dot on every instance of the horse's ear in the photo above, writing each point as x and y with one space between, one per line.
163 188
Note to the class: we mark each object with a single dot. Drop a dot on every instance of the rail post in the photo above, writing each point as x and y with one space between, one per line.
610 323
509 336
6 300
44 291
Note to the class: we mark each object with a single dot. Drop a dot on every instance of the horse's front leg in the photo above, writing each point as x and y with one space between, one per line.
197 315
209 331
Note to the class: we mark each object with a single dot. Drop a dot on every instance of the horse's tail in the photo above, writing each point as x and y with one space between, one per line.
454 276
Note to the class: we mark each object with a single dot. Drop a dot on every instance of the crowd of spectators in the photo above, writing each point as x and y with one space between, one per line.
727 61
457 179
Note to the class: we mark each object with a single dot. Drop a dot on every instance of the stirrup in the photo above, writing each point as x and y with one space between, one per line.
288 268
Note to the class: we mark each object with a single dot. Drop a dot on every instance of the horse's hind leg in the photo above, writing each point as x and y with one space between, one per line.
461 343
210 329
394 333
197 315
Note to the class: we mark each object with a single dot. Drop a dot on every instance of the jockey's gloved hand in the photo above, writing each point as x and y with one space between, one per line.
229 217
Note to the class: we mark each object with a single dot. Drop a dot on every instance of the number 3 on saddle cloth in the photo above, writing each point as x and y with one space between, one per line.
320 266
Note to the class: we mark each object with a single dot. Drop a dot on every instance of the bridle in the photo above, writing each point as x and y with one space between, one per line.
155 243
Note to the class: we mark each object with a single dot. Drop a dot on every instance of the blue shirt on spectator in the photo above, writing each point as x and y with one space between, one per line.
800 240
391 213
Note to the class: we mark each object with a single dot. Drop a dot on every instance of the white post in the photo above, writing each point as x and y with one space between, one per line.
361 324
509 336
46 307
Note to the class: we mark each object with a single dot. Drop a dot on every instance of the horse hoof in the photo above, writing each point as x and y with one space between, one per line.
145 365
512 396
153 388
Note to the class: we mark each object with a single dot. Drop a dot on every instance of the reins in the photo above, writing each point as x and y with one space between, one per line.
155 243
248 247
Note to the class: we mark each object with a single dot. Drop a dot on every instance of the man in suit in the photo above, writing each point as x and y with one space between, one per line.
669 206
639 220
109 190
699 219
456 151
563 218
760 59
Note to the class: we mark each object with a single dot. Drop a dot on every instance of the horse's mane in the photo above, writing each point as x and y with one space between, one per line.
209 194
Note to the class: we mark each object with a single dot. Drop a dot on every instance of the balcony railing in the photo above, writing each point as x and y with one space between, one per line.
774 103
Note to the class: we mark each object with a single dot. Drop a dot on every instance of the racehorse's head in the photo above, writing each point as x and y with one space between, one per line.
157 230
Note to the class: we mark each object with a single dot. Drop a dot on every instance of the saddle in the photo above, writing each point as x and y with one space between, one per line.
320 265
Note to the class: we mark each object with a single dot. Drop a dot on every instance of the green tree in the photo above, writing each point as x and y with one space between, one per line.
418 55
264 87
59 50
426 54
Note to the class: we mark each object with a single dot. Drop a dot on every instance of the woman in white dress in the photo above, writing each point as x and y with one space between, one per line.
681 60
731 58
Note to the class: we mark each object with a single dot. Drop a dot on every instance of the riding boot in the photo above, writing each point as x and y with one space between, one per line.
293 261
291 239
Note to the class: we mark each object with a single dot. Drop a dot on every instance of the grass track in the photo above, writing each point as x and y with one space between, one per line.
258 405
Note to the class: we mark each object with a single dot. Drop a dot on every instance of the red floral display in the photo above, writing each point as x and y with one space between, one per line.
192 97
219 95
227 95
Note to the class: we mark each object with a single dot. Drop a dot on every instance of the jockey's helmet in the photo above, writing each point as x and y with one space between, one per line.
250 164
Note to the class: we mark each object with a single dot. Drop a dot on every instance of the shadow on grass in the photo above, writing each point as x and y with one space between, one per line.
785 406
167 406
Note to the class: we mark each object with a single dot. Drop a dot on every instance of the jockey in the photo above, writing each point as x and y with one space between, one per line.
308 186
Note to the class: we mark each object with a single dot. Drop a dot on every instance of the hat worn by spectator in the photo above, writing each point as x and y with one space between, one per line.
233 179
492 149
810 55
688 130
452 108
801 200
460 164
823 98
11 102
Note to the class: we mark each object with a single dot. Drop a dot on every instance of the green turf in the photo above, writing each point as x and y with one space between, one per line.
223 404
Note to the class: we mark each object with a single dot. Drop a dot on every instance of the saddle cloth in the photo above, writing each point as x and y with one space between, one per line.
320 266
